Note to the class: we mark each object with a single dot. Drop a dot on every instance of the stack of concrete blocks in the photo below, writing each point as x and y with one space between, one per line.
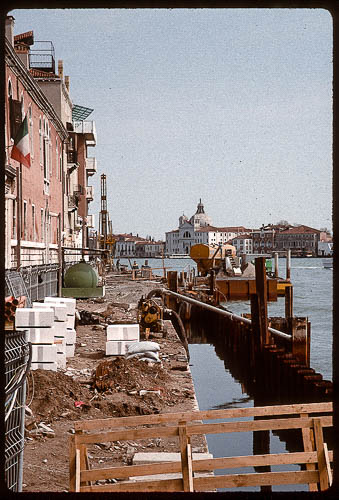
119 337
59 328
39 324
70 334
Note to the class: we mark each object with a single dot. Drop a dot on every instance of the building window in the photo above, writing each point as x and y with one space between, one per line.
30 130
41 139
33 223
22 106
25 221
14 235
42 225
10 89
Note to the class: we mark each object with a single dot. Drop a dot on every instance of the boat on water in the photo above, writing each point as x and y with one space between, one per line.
328 264
178 256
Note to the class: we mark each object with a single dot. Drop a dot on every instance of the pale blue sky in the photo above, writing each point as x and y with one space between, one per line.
233 106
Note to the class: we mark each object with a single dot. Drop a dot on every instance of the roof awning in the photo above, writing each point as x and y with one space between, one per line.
80 112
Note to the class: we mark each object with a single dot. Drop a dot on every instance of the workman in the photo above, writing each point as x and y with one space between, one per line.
118 265
135 265
145 266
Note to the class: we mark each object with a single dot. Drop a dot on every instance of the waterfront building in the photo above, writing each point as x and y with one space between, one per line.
128 245
243 244
264 239
301 240
325 248
198 229
46 197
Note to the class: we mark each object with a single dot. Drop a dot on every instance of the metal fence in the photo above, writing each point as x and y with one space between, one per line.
35 282
17 364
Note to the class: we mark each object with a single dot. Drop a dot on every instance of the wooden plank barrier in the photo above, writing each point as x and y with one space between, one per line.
310 418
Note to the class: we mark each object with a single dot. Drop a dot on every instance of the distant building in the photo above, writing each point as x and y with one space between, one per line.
264 239
301 240
128 245
325 249
198 229
243 244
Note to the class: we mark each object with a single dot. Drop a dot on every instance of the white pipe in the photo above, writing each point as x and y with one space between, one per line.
229 314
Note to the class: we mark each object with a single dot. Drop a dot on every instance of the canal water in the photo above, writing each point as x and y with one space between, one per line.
218 382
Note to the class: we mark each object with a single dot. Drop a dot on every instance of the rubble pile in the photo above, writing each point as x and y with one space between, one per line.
129 375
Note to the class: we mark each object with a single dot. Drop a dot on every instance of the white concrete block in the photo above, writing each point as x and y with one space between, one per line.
59 328
44 366
27 316
70 336
70 349
60 310
70 321
61 347
117 347
61 360
69 302
123 332
44 353
40 335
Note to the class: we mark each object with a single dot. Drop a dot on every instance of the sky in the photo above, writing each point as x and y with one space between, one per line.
233 106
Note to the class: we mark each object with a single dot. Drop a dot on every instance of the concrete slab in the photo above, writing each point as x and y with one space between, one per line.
158 457
149 457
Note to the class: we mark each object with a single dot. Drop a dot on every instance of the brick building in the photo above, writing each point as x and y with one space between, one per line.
46 201
301 240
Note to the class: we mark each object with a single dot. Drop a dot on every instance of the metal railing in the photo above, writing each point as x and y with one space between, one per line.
223 312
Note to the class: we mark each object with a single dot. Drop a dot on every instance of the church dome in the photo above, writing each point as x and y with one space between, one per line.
200 219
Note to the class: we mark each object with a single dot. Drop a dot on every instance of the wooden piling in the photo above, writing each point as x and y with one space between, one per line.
288 302
299 330
261 289
288 264
276 264
172 283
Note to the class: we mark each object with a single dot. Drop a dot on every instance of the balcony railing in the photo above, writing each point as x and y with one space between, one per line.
89 193
78 223
91 166
78 190
87 128
72 203
72 157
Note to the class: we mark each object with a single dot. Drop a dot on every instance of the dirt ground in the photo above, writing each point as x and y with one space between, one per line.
56 399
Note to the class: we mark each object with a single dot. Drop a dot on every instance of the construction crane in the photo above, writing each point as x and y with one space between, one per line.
106 240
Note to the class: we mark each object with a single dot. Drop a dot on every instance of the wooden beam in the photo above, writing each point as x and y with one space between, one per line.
319 444
256 479
308 441
72 469
124 472
77 470
104 437
145 486
255 425
299 457
328 465
104 423
186 458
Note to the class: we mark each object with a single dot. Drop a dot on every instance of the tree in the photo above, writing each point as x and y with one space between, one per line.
283 223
